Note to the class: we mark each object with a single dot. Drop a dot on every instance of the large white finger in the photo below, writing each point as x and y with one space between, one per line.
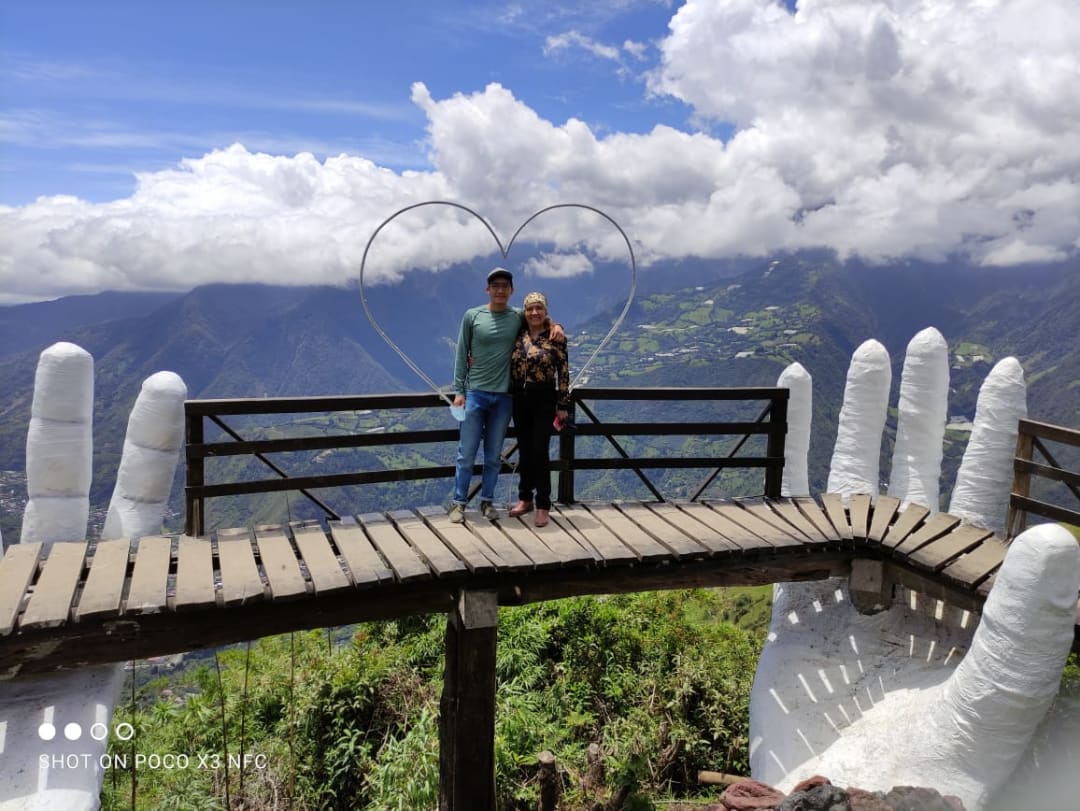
857 454
915 475
47 721
981 495
987 713
775 748
797 380
50 755
151 448
770 727
59 446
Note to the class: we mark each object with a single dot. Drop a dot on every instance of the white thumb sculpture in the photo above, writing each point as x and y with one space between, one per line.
877 701
54 728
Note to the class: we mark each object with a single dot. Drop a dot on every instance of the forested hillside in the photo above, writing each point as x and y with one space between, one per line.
724 330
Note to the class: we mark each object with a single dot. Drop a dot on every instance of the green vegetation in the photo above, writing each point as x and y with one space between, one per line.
1071 676
972 348
659 680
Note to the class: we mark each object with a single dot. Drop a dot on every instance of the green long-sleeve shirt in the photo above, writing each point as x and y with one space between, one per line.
489 338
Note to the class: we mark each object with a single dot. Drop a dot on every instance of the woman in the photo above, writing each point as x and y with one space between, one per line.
540 379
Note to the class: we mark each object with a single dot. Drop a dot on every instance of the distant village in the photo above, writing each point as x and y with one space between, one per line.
13 500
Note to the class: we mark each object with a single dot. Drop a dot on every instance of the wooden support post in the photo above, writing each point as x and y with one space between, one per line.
1017 520
594 772
467 707
548 777
774 473
868 588
194 506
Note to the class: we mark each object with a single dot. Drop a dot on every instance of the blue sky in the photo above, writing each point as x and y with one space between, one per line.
160 145
94 92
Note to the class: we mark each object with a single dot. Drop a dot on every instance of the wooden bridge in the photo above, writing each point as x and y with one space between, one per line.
80 603
73 605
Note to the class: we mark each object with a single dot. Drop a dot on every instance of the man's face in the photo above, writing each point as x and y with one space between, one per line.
499 291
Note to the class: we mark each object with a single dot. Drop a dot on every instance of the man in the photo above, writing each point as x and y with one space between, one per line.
482 386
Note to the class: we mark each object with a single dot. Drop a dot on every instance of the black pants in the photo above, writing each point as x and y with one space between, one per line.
533 414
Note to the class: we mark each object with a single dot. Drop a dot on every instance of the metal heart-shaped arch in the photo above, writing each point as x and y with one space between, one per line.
504 251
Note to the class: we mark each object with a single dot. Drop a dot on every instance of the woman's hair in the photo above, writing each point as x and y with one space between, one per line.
535 298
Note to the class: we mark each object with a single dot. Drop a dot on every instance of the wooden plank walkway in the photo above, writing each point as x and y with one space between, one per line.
75 604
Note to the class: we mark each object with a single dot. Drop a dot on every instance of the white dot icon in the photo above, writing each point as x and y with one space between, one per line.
125 731
73 731
46 732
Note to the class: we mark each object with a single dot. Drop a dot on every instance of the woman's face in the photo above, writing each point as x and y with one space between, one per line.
535 314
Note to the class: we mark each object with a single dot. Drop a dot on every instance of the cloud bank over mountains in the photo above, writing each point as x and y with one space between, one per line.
929 129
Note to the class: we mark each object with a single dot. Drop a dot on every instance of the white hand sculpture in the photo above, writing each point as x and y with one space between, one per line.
915 695
63 773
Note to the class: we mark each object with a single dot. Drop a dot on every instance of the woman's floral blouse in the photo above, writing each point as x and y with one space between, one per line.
541 361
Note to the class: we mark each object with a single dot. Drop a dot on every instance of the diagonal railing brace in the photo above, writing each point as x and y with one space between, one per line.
716 471
333 516
619 448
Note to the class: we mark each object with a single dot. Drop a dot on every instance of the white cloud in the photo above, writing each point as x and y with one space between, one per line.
132 83
558 265
902 127
575 39
228 216
879 129
635 49
1017 252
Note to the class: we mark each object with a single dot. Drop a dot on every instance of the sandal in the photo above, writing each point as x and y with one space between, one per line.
521 508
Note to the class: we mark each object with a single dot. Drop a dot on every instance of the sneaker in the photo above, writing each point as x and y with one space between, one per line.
487 509
457 514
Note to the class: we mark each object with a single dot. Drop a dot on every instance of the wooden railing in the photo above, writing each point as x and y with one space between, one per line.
1031 438
770 422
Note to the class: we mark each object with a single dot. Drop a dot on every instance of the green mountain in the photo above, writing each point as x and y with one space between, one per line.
27 326
223 340
729 330
744 331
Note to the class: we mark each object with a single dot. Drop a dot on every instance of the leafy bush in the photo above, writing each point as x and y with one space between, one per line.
654 679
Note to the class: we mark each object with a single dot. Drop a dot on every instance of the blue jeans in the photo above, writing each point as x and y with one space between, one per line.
487 416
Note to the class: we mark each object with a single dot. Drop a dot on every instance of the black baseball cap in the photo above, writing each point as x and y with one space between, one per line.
501 273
